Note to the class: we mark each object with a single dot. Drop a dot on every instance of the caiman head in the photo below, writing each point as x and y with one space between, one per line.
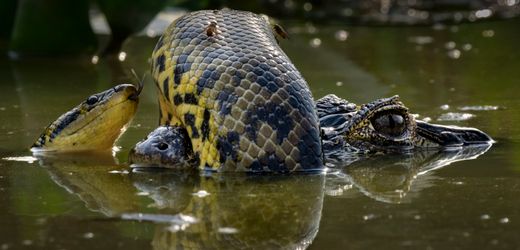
386 125
94 124
166 146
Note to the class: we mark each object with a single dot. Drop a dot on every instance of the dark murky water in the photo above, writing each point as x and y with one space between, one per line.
422 201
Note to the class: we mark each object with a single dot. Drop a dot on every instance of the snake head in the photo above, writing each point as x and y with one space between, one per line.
165 147
94 124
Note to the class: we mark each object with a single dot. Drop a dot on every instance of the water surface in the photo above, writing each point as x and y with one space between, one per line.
429 200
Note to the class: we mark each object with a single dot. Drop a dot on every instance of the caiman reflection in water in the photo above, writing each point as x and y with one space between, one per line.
391 178
236 210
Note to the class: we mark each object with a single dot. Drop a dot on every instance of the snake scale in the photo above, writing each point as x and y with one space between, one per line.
222 76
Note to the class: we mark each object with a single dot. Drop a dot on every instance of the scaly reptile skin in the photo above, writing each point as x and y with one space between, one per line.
222 76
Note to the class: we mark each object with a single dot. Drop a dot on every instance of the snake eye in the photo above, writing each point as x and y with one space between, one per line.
92 100
389 124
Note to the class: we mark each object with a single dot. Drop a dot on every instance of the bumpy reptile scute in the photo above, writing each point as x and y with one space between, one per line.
222 76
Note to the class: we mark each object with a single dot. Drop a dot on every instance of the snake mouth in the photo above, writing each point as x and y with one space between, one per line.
135 96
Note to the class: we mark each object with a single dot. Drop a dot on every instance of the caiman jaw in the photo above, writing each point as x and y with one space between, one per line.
434 135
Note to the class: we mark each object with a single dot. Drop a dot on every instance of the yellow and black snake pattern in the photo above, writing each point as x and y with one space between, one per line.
223 77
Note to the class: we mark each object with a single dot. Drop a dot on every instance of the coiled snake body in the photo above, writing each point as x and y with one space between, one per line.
222 76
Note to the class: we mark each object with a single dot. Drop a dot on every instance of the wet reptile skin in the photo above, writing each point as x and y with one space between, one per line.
222 76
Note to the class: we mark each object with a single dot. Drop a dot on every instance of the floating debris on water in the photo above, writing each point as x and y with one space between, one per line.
454 54
95 59
467 47
307 6
201 193
339 84
27 242
439 26
427 119
484 13
176 228
453 116
28 159
478 108
450 45
142 193
315 42
161 218
122 56
311 29
454 29
88 235
421 40
341 35
445 107
119 172
347 12
485 217
228 230
504 220
369 217
488 33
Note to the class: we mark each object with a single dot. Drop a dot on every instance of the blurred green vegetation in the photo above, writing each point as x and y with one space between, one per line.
61 27
126 18
52 28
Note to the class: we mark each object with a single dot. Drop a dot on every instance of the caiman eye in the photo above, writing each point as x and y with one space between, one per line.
162 146
389 124
92 100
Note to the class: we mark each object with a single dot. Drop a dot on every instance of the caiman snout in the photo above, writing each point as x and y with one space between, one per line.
451 136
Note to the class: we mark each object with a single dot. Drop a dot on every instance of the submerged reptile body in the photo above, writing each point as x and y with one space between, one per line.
223 77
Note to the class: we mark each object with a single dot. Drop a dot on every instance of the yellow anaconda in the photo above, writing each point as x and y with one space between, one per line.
94 124
223 77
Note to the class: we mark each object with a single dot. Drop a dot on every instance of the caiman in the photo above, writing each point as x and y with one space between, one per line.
231 100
